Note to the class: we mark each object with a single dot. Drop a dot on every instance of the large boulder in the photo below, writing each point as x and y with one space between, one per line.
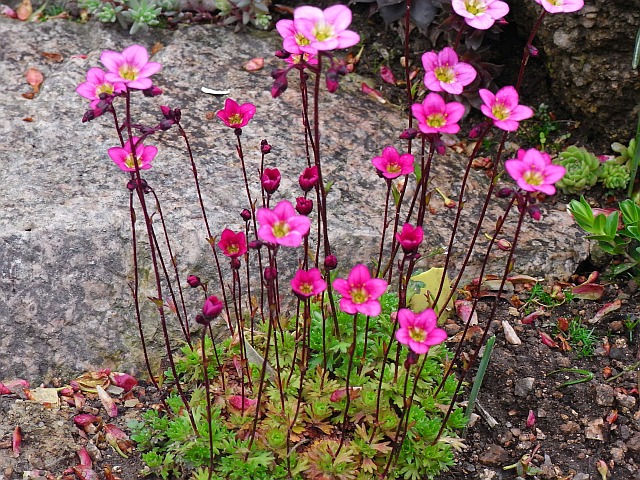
65 256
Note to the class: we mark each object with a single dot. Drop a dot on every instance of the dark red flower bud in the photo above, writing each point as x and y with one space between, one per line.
212 307
304 206
309 178
283 54
131 185
255 244
533 51
235 263
152 91
412 359
246 215
333 80
409 134
534 212
280 82
202 320
504 192
330 262
271 180
194 281
270 274
265 147
166 112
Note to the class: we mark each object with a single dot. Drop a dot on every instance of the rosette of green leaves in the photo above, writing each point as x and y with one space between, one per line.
582 169
613 175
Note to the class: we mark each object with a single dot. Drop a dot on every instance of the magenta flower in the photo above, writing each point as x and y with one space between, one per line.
292 40
123 157
282 226
503 108
410 238
212 307
360 292
270 180
324 29
234 115
419 331
561 6
480 14
96 85
534 172
391 164
434 115
308 283
309 178
443 72
232 244
131 67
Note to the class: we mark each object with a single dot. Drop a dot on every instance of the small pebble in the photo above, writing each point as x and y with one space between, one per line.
509 334
494 455
523 386
604 395
594 430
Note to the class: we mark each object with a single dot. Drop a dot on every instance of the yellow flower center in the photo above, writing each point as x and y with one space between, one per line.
437 120
533 177
323 31
417 334
104 88
128 72
306 288
359 295
556 3
131 161
233 248
500 111
281 229
394 168
302 40
475 7
235 119
445 74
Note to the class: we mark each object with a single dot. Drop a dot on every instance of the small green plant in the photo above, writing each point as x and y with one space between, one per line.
581 338
538 296
621 242
630 324
544 129
582 169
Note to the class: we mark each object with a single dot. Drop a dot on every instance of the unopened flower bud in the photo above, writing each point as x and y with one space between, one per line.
533 51
304 206
166 124
166 112
504 192
504 245
255 244
194 281
477 130
330 262
152 91
265 147
245 214
235 263
534 212
270 274
412 359
212 307
200 319
440 147
131 185
283 54
271 180
332 80
409 134
309 178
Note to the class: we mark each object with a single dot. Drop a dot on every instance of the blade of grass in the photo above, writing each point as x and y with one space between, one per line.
477 383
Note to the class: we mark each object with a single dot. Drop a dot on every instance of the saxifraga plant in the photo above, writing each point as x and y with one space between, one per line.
352 382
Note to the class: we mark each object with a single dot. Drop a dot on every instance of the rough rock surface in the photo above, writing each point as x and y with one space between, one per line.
65 257
588 56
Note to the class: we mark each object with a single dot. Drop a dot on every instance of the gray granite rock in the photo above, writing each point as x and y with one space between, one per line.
65 259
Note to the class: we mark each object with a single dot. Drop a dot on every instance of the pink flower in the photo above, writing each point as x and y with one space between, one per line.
534 172
419 331
212 307
292 40
131 67
232 244
301 58
434 115
308 283
123 157
324 29
503 108
360 292
443 72
96 85
480 14
234 115
282 226
391 164
561 6
270 180
410 238
309 178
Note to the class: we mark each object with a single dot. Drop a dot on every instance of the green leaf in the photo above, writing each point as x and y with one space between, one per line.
630 212
636 52
582 214
636 156
611 225
396 195
623 267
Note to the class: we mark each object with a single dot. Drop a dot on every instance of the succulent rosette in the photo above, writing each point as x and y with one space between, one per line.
582 169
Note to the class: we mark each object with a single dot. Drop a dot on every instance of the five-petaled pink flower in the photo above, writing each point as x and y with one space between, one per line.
480 14
292 40
503 108
410 238
391 164
561 6
127 161
324 29
443 71
434 115
309 178
282 225
131 67
232 244
534 172
308 283
97 85
419 331
234 115
360 292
